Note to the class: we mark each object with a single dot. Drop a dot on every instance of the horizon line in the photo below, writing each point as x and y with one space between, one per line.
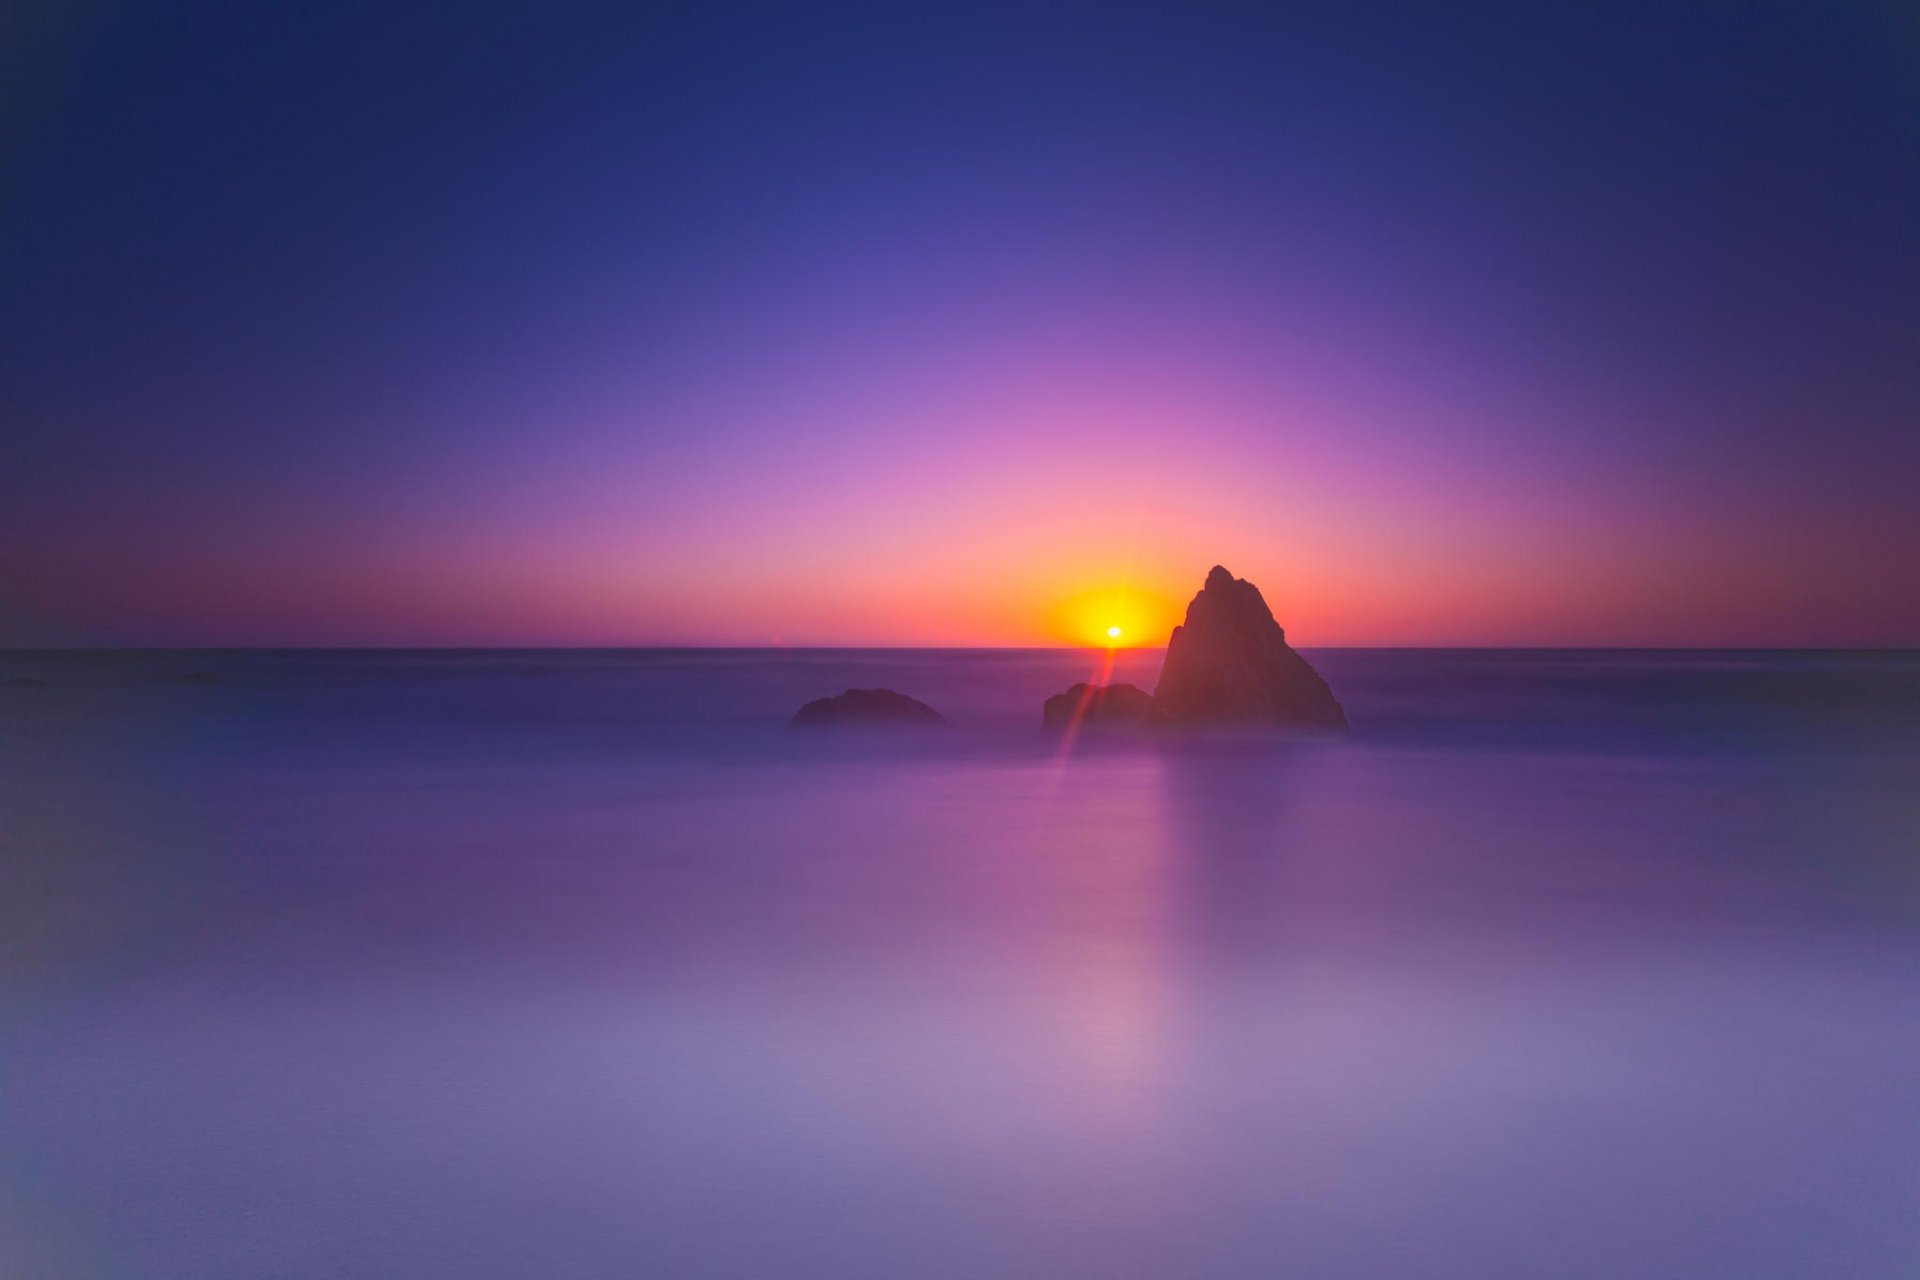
925 648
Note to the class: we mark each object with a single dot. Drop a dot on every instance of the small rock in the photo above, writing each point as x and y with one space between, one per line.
1098 705
866 706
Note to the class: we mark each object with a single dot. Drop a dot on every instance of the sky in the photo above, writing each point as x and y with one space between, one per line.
981 324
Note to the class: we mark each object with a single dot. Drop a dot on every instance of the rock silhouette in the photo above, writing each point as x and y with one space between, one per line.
1230 662
1104 704
866 706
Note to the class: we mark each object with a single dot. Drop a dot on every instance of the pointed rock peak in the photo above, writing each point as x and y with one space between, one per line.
1229 601
1230 661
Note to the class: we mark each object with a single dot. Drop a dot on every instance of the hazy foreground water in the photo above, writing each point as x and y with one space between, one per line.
580 965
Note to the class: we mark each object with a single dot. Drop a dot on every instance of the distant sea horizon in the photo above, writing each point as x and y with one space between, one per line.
934 648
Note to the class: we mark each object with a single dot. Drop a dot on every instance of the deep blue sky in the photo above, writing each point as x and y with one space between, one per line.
470 323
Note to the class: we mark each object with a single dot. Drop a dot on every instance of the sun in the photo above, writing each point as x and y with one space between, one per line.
1113 616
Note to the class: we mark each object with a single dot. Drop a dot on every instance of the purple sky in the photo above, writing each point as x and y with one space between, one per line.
720 324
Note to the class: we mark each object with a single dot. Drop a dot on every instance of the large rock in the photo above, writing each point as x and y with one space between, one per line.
1230 662
866 706
1102 705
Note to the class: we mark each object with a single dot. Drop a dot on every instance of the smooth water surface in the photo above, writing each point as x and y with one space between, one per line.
583 965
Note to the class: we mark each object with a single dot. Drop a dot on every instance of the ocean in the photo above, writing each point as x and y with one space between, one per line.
583 964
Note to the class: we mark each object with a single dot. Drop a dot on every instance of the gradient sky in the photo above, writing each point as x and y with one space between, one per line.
715 323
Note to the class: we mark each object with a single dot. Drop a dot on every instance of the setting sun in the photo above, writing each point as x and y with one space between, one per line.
1112 616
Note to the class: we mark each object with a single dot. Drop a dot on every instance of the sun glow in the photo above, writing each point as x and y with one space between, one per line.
1113 617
